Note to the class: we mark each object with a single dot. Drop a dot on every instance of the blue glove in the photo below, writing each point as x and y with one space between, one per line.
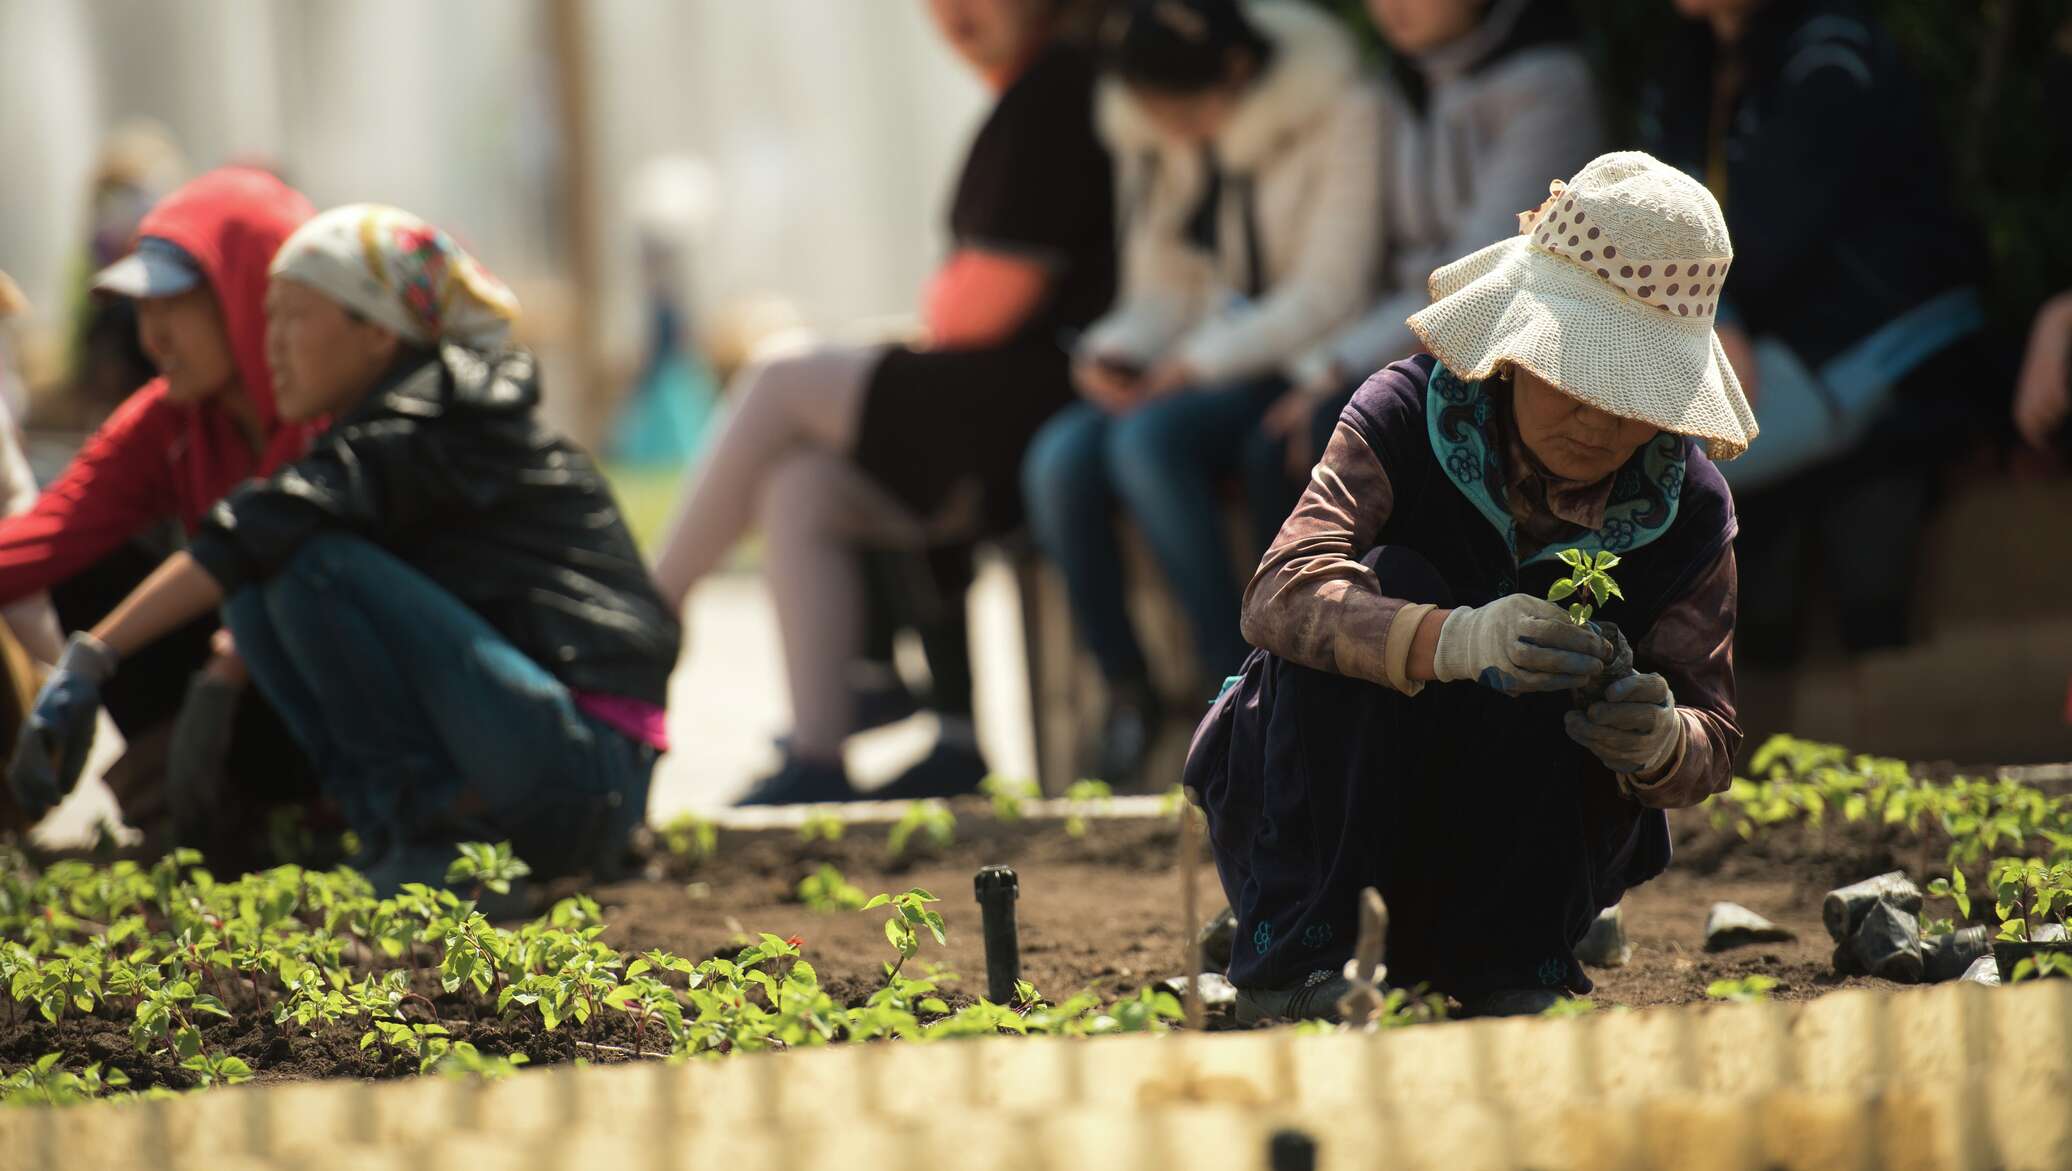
1635 729
60 729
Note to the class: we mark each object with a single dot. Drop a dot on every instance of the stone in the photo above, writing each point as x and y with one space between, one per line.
1843 909
1983 970
1888 943
1218 937
1216 992
1605 945
1946 957
1733 925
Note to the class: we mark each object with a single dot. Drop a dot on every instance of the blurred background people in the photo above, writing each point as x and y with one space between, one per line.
915 446
1855 319
149 475
440 597
1249 147
30 638
1487 101
139 164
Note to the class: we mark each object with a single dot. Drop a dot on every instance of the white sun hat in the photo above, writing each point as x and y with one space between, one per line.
1609 292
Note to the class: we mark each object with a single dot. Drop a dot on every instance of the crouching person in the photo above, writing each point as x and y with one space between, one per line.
441 598
1410 720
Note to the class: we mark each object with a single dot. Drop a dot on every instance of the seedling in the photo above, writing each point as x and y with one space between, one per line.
821 825
826 891
1008 796
1746 990
486 867
1588 580
690 838
1081 797
902 930
931 819
464 1061
1571 1006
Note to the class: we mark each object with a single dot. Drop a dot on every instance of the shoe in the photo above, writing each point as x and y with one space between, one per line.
952 768
1127 734
879 699
1315 999
802 782
1511 1002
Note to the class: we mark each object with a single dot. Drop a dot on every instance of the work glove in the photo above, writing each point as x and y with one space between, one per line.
201 744
60 729
1634 729
1518 644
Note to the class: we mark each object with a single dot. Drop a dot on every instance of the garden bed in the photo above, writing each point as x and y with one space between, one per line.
1098 910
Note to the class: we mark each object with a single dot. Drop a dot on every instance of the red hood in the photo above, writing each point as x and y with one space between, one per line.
232 220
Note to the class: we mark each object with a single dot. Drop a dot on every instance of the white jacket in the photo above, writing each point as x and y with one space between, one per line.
1496 126
1307 135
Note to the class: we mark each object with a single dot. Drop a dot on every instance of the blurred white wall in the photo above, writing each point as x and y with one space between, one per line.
832 127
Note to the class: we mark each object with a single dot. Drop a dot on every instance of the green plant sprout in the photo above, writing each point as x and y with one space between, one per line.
1570 1006
821 825
1746 990
486 867
903 929
1008 797
1589 579
1083 797
826 891
689 838
931 819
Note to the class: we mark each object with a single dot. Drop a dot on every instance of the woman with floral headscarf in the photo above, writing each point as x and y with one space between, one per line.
440 598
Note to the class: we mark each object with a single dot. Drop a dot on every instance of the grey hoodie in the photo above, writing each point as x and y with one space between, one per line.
1456 174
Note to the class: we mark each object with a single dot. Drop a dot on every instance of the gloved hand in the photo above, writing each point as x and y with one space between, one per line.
60 727
1635 729
201 743
1518 644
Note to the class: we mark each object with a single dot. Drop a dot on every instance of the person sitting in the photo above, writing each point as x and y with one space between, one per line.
1856 321
1407 722
1488 98
916 447
441 598
198 746
1249 155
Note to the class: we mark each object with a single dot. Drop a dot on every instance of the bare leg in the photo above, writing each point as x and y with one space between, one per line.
812 401
817 509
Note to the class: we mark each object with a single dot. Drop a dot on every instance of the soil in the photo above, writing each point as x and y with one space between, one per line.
1099 912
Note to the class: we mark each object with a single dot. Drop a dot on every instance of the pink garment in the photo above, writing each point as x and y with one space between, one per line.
642 721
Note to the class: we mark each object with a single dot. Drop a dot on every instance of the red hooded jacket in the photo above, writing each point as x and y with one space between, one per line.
156 459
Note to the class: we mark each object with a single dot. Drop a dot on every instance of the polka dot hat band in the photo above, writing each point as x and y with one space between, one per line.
1687 286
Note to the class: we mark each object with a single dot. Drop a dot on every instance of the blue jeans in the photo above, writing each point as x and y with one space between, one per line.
426 725
1162 463
1271 490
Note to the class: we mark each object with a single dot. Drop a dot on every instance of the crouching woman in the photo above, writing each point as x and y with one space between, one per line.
441 598
1412 719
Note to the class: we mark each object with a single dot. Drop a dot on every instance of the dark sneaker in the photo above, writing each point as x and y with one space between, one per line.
1511 1002
951 769
802 782
1127 734
1315 999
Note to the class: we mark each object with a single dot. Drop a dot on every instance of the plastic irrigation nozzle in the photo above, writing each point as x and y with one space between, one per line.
997 888
1291 1150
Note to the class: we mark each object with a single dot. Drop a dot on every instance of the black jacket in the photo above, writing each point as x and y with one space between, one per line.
445 466
1835 185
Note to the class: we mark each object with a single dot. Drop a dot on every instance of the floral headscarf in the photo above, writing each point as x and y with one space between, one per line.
398 271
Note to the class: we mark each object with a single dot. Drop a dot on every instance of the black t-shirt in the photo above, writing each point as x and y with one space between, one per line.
1037 183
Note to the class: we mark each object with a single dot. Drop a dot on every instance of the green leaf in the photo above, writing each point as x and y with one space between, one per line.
1561 589
876 901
